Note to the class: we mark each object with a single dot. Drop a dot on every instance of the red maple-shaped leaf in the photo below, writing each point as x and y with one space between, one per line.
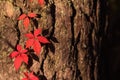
26 20
19 56
35 39
30 76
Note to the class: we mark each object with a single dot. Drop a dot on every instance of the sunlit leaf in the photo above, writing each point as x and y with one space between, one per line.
37 46
32 15
42 39
26 22
17 62
22 17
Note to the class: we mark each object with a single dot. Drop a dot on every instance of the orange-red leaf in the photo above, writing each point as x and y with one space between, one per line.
18 62
29 43
22 17
13 54
19 48
42 39
33 77
41 2
23 51
30 76
32 15
37 32
37 46
25 58
26 22
29 35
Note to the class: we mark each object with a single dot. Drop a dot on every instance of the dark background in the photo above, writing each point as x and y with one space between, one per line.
111 48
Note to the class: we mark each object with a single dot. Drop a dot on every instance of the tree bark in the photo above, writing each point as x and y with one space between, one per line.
79 27
75 29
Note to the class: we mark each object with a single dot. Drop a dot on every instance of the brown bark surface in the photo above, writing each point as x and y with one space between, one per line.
75 29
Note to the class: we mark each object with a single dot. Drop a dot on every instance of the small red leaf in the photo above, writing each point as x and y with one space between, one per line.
26 22
13 54
17 62
29 35
19 47
22 17
37 46
25 58
29 43
30 76
41 2
37 32
26 74
23 51
32 15
33 77
43 39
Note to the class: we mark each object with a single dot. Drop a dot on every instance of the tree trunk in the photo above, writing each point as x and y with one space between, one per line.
75 29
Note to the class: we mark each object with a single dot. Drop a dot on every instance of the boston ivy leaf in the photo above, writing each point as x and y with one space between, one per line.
30 76
26 22
37 32
37 46
19 56
29 43
13 54
35 41
32 15
22 17
17 62
42 39
25 19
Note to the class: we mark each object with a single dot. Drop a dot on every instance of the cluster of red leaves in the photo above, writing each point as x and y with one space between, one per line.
26 19
19 56
35 39
30 76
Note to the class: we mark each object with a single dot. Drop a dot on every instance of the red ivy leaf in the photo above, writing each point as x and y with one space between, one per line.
17 62
25 58
22 17
29 43
30 76
23 51
20 56
37 46
34 42
32 15
29 35
26 22
41 2
19 48
13 54
37 32
43 39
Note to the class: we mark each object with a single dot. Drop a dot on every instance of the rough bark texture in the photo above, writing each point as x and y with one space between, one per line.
75 29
